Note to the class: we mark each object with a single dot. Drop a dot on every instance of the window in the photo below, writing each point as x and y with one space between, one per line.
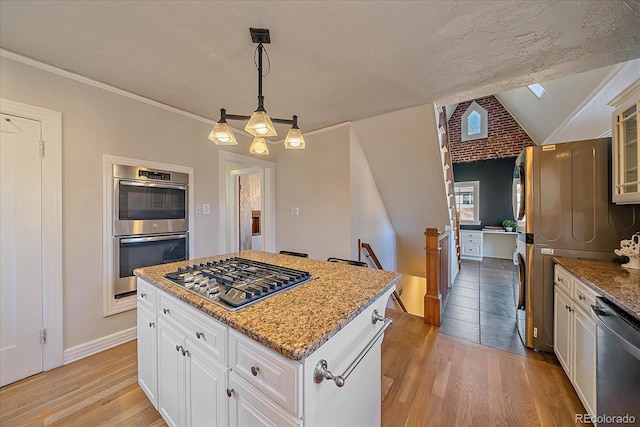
474 123
467 196
537 90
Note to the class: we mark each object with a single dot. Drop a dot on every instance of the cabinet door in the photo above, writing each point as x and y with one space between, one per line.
584 359
562 339
249 407
148 354
171 399
206 388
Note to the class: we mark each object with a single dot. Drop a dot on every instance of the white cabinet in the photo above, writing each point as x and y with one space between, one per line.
562 330
147 341
192 381
205 374
471 244
574 339
249 407
626 150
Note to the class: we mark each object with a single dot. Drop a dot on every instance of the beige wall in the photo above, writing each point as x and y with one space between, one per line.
403 153
316 181
97 122
369 219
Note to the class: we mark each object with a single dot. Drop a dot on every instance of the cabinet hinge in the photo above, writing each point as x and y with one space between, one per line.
41 148
43 336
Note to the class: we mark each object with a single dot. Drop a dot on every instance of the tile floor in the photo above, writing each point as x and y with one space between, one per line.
481 307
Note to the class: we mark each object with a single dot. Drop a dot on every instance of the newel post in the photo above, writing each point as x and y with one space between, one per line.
432 299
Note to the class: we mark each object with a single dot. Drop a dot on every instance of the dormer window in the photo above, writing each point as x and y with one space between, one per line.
474 123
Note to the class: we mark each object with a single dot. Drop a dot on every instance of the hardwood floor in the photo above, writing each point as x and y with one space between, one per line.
429 379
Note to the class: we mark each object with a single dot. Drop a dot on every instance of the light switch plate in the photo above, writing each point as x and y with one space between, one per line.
206 209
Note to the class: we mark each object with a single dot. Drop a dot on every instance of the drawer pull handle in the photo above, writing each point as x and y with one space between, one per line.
143 295
229 391
581 298
321 371
560 279
152 325
166 310
199 335
254 371
179 348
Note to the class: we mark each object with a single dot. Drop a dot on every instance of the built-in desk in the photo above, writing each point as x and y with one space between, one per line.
477 244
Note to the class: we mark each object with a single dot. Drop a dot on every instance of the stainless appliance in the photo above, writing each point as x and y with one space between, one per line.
617 365
234 283
149 201
131 252
561 201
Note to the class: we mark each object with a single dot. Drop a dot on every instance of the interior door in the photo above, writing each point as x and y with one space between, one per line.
20 248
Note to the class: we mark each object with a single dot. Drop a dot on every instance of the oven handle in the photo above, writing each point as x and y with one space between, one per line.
597 313
152 184
152 238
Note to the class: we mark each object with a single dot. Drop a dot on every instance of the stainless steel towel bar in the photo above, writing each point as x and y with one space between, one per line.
321 371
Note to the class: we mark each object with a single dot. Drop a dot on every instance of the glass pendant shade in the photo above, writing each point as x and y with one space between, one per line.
294 140
260 125
222 134
259 146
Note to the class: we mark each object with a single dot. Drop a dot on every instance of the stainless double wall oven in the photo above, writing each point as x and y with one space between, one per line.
150 221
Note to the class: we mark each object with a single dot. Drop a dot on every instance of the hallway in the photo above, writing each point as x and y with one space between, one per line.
481 307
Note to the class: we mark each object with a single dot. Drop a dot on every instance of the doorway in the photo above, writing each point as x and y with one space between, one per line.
31 230
250 211
232 168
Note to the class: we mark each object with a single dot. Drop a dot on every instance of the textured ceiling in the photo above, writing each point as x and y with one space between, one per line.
330 61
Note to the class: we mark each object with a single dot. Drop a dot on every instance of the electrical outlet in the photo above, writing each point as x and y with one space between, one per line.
206 209
295 211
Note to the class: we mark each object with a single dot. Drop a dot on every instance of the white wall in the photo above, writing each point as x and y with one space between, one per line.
404 157
316 181
97 122
369 219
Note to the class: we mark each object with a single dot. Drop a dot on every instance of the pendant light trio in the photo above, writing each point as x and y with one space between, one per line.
260 125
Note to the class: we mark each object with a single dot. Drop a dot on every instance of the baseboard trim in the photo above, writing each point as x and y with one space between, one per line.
101 344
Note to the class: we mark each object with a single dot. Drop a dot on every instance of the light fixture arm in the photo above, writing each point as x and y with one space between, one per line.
224 116
260 97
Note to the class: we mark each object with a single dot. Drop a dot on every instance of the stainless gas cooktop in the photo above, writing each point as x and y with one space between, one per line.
235 283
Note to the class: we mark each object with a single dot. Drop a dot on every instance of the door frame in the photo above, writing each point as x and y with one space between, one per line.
52 301
235 202
226 193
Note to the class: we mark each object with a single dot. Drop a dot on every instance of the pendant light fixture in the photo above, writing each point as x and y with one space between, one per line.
260 125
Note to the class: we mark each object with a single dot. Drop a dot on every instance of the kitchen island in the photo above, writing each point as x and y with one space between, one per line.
310 354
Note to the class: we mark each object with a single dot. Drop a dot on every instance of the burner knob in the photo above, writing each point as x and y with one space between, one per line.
180 269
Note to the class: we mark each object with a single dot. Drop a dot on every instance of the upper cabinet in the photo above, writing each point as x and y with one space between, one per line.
626 150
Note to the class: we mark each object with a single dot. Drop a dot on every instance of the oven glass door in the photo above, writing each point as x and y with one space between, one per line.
142 251
151 201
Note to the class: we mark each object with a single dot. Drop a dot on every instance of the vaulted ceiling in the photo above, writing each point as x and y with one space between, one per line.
331 61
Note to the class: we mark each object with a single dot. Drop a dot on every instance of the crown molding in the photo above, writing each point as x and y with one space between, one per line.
85 80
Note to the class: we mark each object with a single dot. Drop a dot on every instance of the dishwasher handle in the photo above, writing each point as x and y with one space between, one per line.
600 313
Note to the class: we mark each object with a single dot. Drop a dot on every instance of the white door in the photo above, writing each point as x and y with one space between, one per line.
20 248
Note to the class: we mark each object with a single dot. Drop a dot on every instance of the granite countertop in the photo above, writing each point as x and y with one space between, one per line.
619 285
297 322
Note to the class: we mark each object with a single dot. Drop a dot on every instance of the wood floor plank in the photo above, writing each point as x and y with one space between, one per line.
428 379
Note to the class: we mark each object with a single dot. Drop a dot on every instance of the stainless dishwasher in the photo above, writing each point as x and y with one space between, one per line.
617 365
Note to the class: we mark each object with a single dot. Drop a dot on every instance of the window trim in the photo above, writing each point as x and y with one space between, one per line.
476 198
464 123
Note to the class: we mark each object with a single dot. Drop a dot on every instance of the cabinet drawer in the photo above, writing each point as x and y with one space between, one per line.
467 236
584 296
208 333
147 295
468 249
271 373
562 278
